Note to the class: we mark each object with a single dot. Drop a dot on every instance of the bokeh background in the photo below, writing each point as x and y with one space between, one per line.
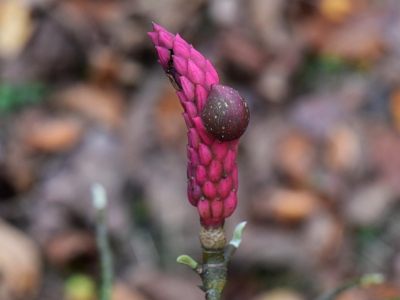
83 100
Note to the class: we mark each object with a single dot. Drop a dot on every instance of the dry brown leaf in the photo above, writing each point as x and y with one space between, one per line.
104 106
369 204
285 205
296 157
395 108
65 247
267 17
336 10
104 66
19 167
245 53
314 31
15 27
273 85
53 135
384 149
104 11
323 237
359 39
352 294
293 206
343 152
20 265
386 290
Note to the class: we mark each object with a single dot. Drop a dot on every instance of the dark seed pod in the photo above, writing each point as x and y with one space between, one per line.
225 114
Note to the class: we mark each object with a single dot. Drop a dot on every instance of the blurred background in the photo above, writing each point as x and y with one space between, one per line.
83 100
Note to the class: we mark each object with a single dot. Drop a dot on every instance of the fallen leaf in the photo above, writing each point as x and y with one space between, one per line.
314 30
384 149
285 205
267 19
101 12
360 39
19 167
352 294
238 48
296 157
20 265
316 113
395 108
104 63
64 248
15 27
336 10
53 134
323 237
273 85
369 204
343 151
102 105
386 290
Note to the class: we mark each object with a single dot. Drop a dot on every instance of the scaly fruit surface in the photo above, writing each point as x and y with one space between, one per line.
212 171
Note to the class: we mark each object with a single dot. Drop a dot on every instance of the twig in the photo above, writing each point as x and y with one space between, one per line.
365 280
100 204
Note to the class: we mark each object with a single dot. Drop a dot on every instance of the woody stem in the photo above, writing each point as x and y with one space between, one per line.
216 257
214 271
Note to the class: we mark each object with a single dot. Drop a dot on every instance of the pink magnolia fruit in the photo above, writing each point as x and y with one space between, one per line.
216 117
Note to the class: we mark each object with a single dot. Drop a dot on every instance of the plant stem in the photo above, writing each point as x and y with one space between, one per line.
214 273
216 257
365 280
100 204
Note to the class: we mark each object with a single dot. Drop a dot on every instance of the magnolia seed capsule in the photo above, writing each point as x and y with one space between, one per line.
225 114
